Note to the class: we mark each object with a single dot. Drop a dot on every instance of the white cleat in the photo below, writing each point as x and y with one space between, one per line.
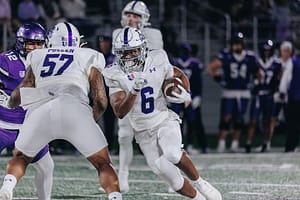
5 194
207 190
170 190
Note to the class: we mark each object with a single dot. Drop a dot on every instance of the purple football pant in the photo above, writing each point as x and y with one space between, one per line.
8 138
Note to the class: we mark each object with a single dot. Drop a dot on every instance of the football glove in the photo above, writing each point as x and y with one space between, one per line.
139 82
184 96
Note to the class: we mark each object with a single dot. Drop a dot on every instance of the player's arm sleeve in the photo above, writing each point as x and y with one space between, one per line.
113 85
96 60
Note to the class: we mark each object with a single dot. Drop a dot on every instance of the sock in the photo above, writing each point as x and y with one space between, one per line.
9 182
198 196
222 143
125 154
115 196
44 176
234 144
199 180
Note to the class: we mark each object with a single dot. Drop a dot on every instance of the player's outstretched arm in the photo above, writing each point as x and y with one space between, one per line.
122 103
97 93
28 81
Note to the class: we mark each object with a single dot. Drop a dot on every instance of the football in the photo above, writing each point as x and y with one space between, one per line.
170 85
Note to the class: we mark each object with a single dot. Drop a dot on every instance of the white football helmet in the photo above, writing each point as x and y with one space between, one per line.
130 49
138 8
64 34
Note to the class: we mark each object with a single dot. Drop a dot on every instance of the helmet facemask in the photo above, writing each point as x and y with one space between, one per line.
131 59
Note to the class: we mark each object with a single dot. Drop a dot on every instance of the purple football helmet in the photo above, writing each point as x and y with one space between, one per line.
29 32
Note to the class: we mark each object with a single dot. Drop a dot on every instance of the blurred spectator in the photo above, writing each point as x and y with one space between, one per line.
241 12
49 12
28 11
279 112
263 11
290 87
5 17
281 14
109 118
5 11
75 12
73 9
193 68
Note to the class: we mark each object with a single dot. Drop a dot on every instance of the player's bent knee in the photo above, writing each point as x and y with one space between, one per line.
173 154
170 173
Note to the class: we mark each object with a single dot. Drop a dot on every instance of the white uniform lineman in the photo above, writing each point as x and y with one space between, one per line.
56 91
65 97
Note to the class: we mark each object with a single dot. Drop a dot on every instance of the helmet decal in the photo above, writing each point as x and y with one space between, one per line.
69 34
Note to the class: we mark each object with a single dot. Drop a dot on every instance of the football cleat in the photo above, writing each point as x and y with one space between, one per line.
207 190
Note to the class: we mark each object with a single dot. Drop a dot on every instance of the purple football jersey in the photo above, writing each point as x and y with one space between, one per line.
12 72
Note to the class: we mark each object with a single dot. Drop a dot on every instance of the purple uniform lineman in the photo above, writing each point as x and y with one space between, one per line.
29 36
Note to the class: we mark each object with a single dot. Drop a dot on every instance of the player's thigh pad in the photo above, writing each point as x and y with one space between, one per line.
170 140
36 131
80 128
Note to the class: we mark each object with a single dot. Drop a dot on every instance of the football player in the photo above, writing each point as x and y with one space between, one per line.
239 66
262 99
29 36
135 14
56 90
135 87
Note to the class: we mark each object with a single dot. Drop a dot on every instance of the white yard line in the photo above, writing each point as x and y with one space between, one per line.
160 181
249 193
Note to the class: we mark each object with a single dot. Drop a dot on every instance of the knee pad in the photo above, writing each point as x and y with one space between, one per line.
238 124
224 125
172 154
169 172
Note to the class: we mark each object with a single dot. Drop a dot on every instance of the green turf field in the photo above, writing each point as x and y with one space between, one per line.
269 176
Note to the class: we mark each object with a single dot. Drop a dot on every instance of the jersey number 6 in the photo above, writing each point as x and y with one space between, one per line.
147 100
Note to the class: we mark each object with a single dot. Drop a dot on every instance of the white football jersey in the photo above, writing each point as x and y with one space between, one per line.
153 37
69 66
150 107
